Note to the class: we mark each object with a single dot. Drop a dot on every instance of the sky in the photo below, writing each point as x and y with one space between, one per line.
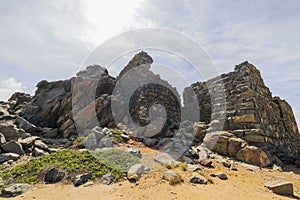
51 39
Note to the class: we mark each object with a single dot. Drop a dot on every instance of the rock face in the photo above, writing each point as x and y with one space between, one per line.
251 114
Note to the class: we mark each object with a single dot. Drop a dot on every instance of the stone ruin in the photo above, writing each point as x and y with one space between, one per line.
255 127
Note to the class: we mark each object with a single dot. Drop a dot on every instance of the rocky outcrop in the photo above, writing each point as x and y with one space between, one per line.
251 114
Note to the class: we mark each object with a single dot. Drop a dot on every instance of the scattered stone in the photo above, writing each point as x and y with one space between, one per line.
281 187
53 175
135 172
13 147
28 142
106 141
165 159
11 132
207 163
38 152
16 190
250 167
41 145
81 179
135 152
8 156
192 168
107 179
198 179
25 125
150 142
169 175
222 176
226 163
277 168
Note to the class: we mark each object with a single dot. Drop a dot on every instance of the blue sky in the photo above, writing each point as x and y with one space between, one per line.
50 39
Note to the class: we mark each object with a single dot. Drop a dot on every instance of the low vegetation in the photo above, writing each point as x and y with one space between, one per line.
73 162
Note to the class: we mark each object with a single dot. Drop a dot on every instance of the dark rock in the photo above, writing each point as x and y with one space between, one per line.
82 179
53 175
11 132
13 147
222 176
41 145
16 190
25 125
8 156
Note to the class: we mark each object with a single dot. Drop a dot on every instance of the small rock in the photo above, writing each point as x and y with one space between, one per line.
169 175
88 184
281 187
250 167
13 147
82 179
28 142
106 131
198 179
16 190
53 175
277 168
135 172
193 168
8 156
38 152
226 163
165 159
41 145
106 142
51 133
107 179
222 176
135 152
150 142
206 163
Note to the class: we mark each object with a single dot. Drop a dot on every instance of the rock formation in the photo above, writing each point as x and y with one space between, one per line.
258 129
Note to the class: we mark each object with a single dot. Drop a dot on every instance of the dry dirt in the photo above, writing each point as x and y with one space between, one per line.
242 184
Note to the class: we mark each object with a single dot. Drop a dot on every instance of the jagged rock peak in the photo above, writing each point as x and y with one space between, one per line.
140 59
92 71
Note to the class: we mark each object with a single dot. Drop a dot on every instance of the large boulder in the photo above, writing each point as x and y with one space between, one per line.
254 155
13 147
11 132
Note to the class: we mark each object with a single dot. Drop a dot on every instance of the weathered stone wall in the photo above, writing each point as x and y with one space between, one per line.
251 112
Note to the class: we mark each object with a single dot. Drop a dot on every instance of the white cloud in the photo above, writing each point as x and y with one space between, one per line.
8 87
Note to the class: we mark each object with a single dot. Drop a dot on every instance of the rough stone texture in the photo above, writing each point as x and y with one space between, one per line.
198 179
252 114
53 175
16 190
281 187
254 155
8 156
81 179
135 172
107 179
13 147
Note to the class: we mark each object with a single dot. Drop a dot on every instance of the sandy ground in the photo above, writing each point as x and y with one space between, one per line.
242 185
